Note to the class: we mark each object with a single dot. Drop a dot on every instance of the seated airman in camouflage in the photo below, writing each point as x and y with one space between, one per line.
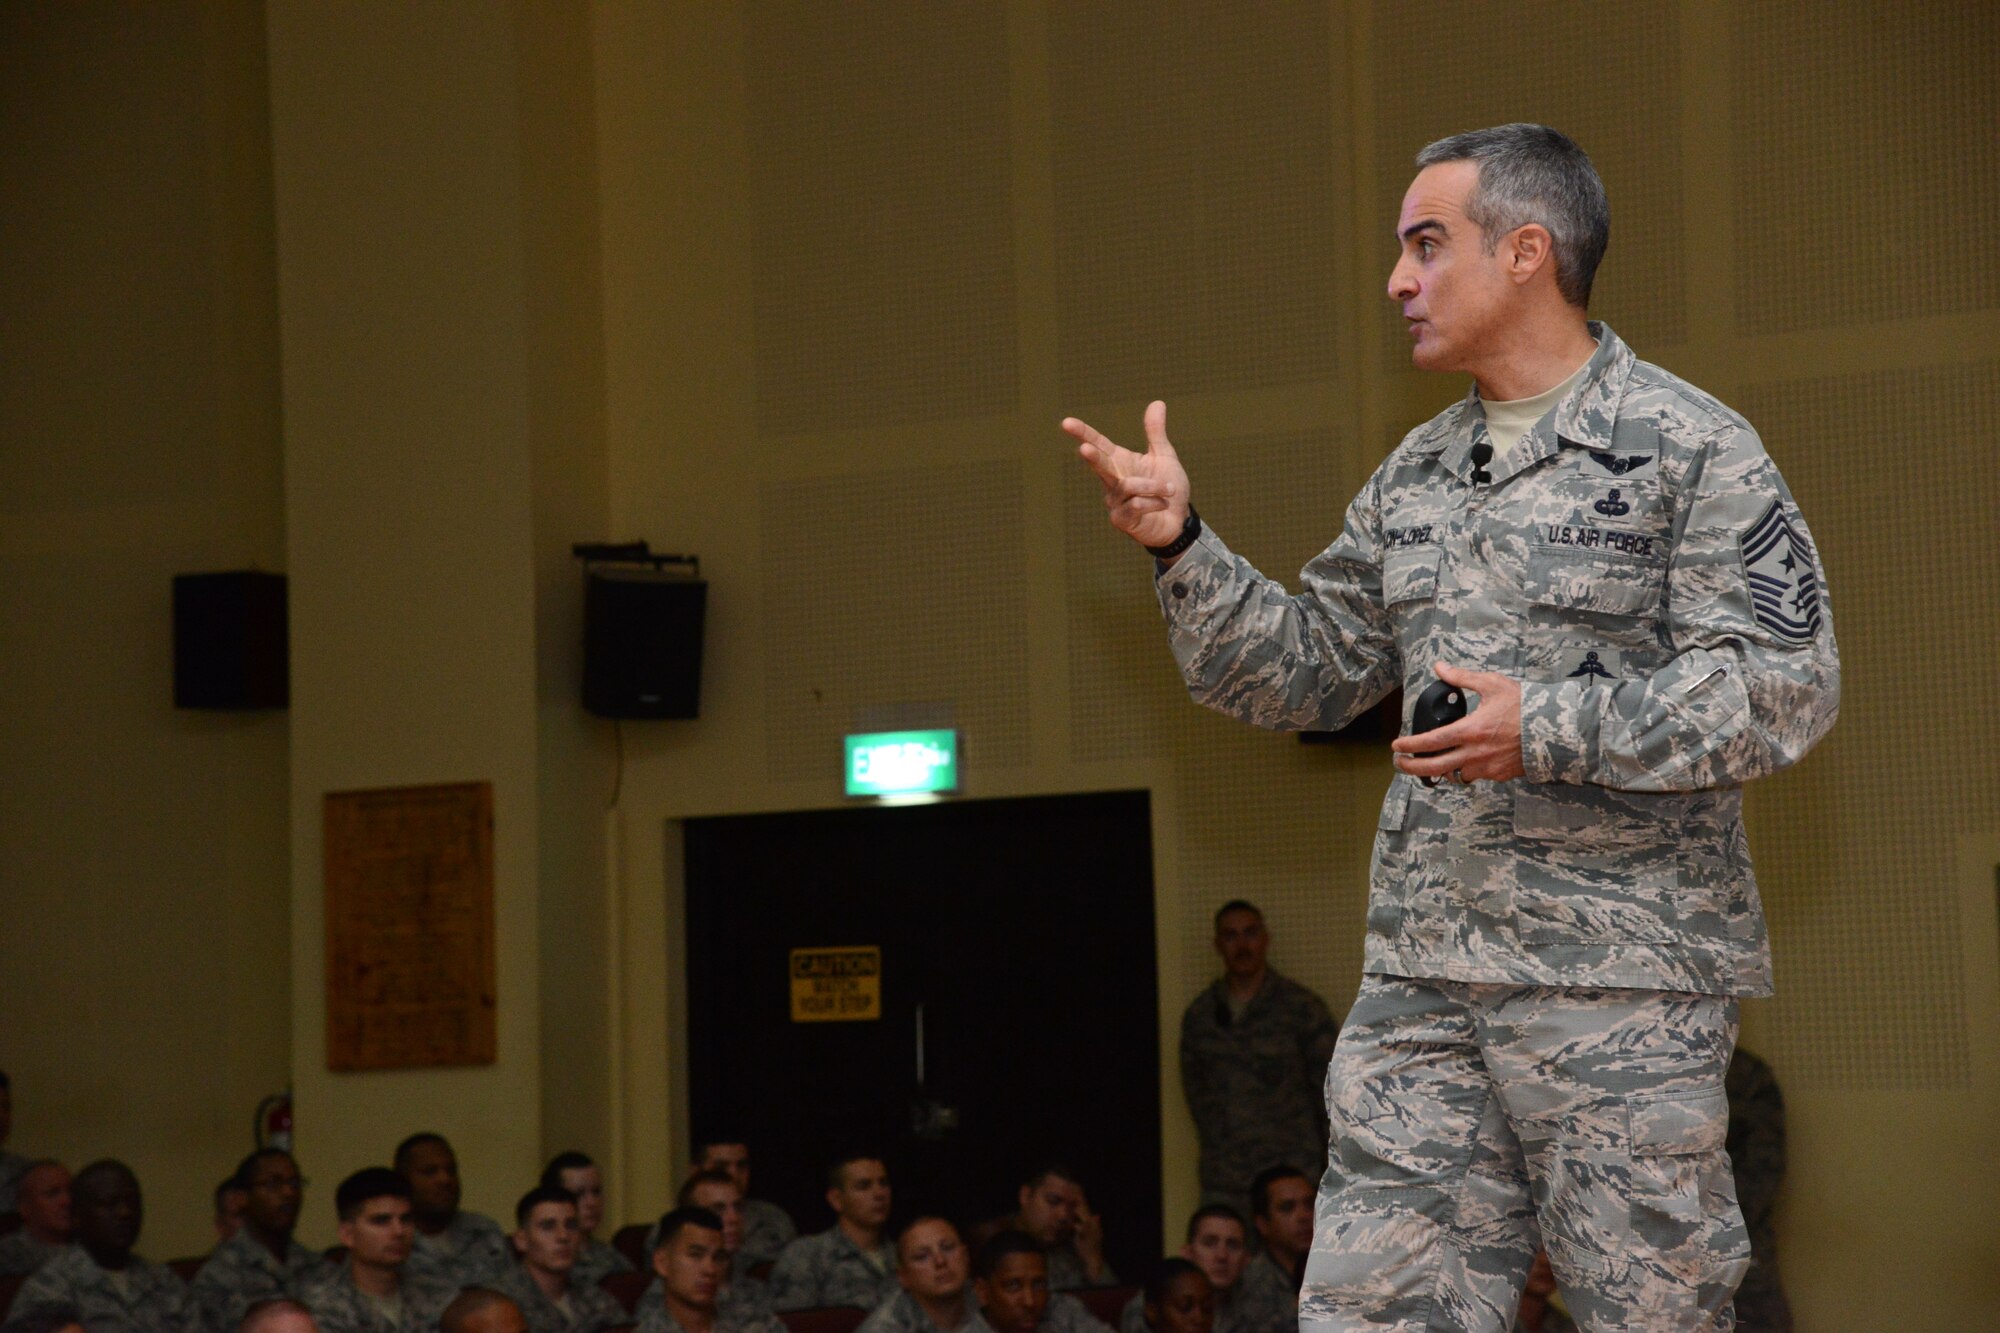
935 1272
767 1228
849 1263
43 1201
1254 1050
482 1310
595 1260
229 1201
547 1236
276 1314
1012 1283
690 1261
375 1291
1054 1210
1217 1244
1281 1208
743 1295
112 1288
454 1246
1177 1298
261 1260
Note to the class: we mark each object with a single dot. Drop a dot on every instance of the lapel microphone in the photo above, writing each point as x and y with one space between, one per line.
1482 454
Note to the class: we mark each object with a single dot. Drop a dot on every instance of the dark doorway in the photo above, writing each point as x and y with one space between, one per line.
1023 932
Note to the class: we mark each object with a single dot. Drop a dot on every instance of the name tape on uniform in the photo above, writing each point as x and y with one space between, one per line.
836 985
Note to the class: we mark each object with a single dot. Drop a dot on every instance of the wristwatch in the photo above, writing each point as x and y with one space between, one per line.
1190 530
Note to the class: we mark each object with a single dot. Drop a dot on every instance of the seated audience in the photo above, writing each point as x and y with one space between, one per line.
276 1314
113 1289
1178 1299
743 1295
543 1284
48 1319
1013 1286
12 1164
689 1260
375 1291
481 1310
229 1201
1217 1244
849 1263
261 1260
1542 1310
454 1246
1756 1145
1053 1209
767 1228
1281 1207
595 1260
43 1201
935 1274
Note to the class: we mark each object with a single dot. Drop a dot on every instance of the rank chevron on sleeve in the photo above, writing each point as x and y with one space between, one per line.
1784 589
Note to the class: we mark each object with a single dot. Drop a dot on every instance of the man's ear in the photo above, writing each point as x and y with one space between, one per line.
1026 1192
346 1233
520 1241
1530 248
660 1263
833 1200
1187 1251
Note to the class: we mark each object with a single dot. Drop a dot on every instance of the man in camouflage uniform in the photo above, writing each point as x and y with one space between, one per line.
1254 1048
577 1173
690 1262
767 1228
1757 1155
1560 930
1219 1245
261 1260
1281 1208
543 1284
742 1295
44 1203
112 1288
1014 1294
849 1263
455 1247
375 1291
1054 1209
935 1272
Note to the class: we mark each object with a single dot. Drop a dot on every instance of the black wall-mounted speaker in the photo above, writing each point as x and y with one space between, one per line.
230 644
642 642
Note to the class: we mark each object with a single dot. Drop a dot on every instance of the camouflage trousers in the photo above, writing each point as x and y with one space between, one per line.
1474 1123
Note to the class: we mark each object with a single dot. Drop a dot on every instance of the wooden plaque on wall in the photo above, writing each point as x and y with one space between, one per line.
409 927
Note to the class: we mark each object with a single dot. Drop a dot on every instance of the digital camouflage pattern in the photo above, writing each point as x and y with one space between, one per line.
901 1314
1067 1314
829 1269
241 1272
1067 1271
592 1309
338 1306
21 1253
767 1230
1471 1118
1757 1156
1254 1083
472 1251
596 1261
143 1298
1662 662
1267 1299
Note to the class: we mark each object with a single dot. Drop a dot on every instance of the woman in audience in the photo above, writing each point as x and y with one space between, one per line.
1179 1299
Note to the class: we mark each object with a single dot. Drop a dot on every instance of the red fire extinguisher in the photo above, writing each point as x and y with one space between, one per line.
273 1127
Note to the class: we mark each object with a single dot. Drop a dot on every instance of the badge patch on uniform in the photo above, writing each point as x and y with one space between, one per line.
1588 664
1614 505
1784 590
1626 467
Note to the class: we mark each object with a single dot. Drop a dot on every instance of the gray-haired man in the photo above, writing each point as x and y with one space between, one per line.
1562 915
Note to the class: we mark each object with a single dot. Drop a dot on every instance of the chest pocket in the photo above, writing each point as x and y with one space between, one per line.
1410 575
1599 583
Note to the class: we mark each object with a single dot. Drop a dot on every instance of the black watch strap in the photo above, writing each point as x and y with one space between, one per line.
1190 531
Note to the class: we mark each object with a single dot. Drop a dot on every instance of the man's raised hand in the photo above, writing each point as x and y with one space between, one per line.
1147 493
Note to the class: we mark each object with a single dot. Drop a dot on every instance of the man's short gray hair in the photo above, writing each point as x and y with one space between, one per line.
1531 173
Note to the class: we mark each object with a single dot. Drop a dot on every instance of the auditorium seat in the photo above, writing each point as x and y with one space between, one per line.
1107 1303
631 1242
831 1319
626 1288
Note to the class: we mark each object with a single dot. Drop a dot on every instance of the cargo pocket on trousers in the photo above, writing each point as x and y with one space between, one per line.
1685 1220
1386 880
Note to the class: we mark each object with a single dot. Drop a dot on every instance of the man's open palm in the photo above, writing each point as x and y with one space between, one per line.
1147 493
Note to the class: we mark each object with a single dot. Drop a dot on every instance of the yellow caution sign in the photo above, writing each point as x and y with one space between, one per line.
836 985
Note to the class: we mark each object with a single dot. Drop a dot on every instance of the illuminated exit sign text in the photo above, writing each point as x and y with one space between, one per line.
902 763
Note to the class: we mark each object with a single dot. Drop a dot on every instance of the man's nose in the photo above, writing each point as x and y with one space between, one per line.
1402 286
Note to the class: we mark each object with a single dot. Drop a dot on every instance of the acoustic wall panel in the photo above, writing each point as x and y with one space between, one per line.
894 595
1197 186
1865 174
1608 76
1860 844
881 212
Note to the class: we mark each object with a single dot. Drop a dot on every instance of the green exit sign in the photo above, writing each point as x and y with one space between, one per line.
902 763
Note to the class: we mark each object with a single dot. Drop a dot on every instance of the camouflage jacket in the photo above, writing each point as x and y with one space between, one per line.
144 1298
901 1314
1067 1273
1067 1314
338 1306
767 1229
657 1320
471 1252
1637 563
1267 1300
743 1299
829 1269
1255 1084
242 1271
21 1253
592 1309
596 1261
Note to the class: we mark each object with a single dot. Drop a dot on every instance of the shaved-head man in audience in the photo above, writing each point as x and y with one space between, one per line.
767 1228
112 1288
1281 1208
276 1314
934 1270
375 1291
43 1200
1012 1282
743 1295
575 1172
261 1260
454 1245
690 1260
1219 1245
543 1283
851 1262
1054 1210
482 1310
